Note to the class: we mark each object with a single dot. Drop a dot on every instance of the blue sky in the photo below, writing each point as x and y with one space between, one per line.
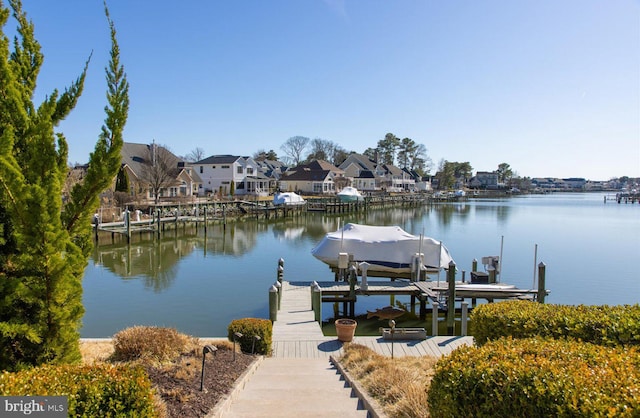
550 87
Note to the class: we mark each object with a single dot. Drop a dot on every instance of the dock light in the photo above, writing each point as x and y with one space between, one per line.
205 350
236 336
253 346
392 324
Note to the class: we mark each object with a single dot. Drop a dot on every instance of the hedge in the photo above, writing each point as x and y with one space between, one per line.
249 328
603 325
98 390
537 377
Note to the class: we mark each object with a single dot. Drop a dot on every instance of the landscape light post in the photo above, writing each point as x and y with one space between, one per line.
392 324
236 336
205 350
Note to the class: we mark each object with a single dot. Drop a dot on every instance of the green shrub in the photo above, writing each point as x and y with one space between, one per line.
100 390
250 327
604 325
537 377
151 343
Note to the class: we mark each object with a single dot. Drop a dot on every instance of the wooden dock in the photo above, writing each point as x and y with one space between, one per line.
297 334
420 291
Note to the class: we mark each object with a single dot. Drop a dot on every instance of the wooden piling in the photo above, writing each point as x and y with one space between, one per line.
465 311
542 292
273 303
451 298
317 295
127 221
434 319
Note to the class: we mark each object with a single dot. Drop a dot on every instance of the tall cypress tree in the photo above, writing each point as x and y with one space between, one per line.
45 244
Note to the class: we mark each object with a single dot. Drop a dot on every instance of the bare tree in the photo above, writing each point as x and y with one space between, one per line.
294 148
159 170
196 154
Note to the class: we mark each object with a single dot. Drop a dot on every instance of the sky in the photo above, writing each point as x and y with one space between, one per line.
551 88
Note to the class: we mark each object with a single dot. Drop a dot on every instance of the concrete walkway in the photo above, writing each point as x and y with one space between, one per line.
286 387
299 380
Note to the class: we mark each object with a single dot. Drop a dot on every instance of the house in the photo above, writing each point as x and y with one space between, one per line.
575 183
152 170
422 183
224 174
368 175
318 177
484 180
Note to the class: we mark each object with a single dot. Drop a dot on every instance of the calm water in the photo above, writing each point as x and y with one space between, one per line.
199 284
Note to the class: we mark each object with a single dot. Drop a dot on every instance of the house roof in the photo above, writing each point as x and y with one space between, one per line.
318 165
219 159
307 175
363 161
136 155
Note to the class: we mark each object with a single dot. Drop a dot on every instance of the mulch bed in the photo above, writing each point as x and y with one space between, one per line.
179 384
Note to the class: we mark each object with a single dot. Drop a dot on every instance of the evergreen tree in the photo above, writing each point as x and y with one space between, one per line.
122 182
44 245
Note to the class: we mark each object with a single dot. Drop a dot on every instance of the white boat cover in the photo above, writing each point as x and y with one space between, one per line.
350 192
288 198
385 248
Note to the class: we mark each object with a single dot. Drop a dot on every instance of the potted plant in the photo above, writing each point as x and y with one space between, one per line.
345 329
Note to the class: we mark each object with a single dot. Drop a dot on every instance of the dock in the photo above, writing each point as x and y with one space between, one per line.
296 334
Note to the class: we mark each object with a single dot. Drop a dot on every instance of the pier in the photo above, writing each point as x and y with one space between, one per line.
297 334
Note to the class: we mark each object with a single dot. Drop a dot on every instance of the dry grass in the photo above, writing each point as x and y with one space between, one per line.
95 352
400 385
152 344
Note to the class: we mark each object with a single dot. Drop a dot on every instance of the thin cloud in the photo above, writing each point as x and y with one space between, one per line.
338 7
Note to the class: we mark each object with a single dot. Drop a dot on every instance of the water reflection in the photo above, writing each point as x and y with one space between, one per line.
153 261
200 282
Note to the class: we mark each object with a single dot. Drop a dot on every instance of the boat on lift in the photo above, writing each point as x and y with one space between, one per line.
385 248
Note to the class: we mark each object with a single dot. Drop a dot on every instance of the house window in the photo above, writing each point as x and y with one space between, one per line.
249 171
213 167
239 169
201 169
224 166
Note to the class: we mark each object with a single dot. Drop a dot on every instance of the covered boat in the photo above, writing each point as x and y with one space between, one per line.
350 194
385 248
288 198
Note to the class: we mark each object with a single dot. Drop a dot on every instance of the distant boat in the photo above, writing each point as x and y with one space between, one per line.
459 193
384 248
288 199
350 194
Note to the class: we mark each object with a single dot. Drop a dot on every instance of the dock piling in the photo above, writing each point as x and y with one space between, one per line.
451 298
434 319
278 286
465 311
541 282
273 303
317 297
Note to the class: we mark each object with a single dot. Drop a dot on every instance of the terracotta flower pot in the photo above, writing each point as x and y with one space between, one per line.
345 329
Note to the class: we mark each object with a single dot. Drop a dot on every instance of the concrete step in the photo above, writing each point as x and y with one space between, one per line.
289 387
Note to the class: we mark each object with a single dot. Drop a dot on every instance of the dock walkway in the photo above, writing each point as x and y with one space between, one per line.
296 334
299 380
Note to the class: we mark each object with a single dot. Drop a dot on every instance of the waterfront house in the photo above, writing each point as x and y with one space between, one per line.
154 171
484 180
317 177
369 175
224 174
